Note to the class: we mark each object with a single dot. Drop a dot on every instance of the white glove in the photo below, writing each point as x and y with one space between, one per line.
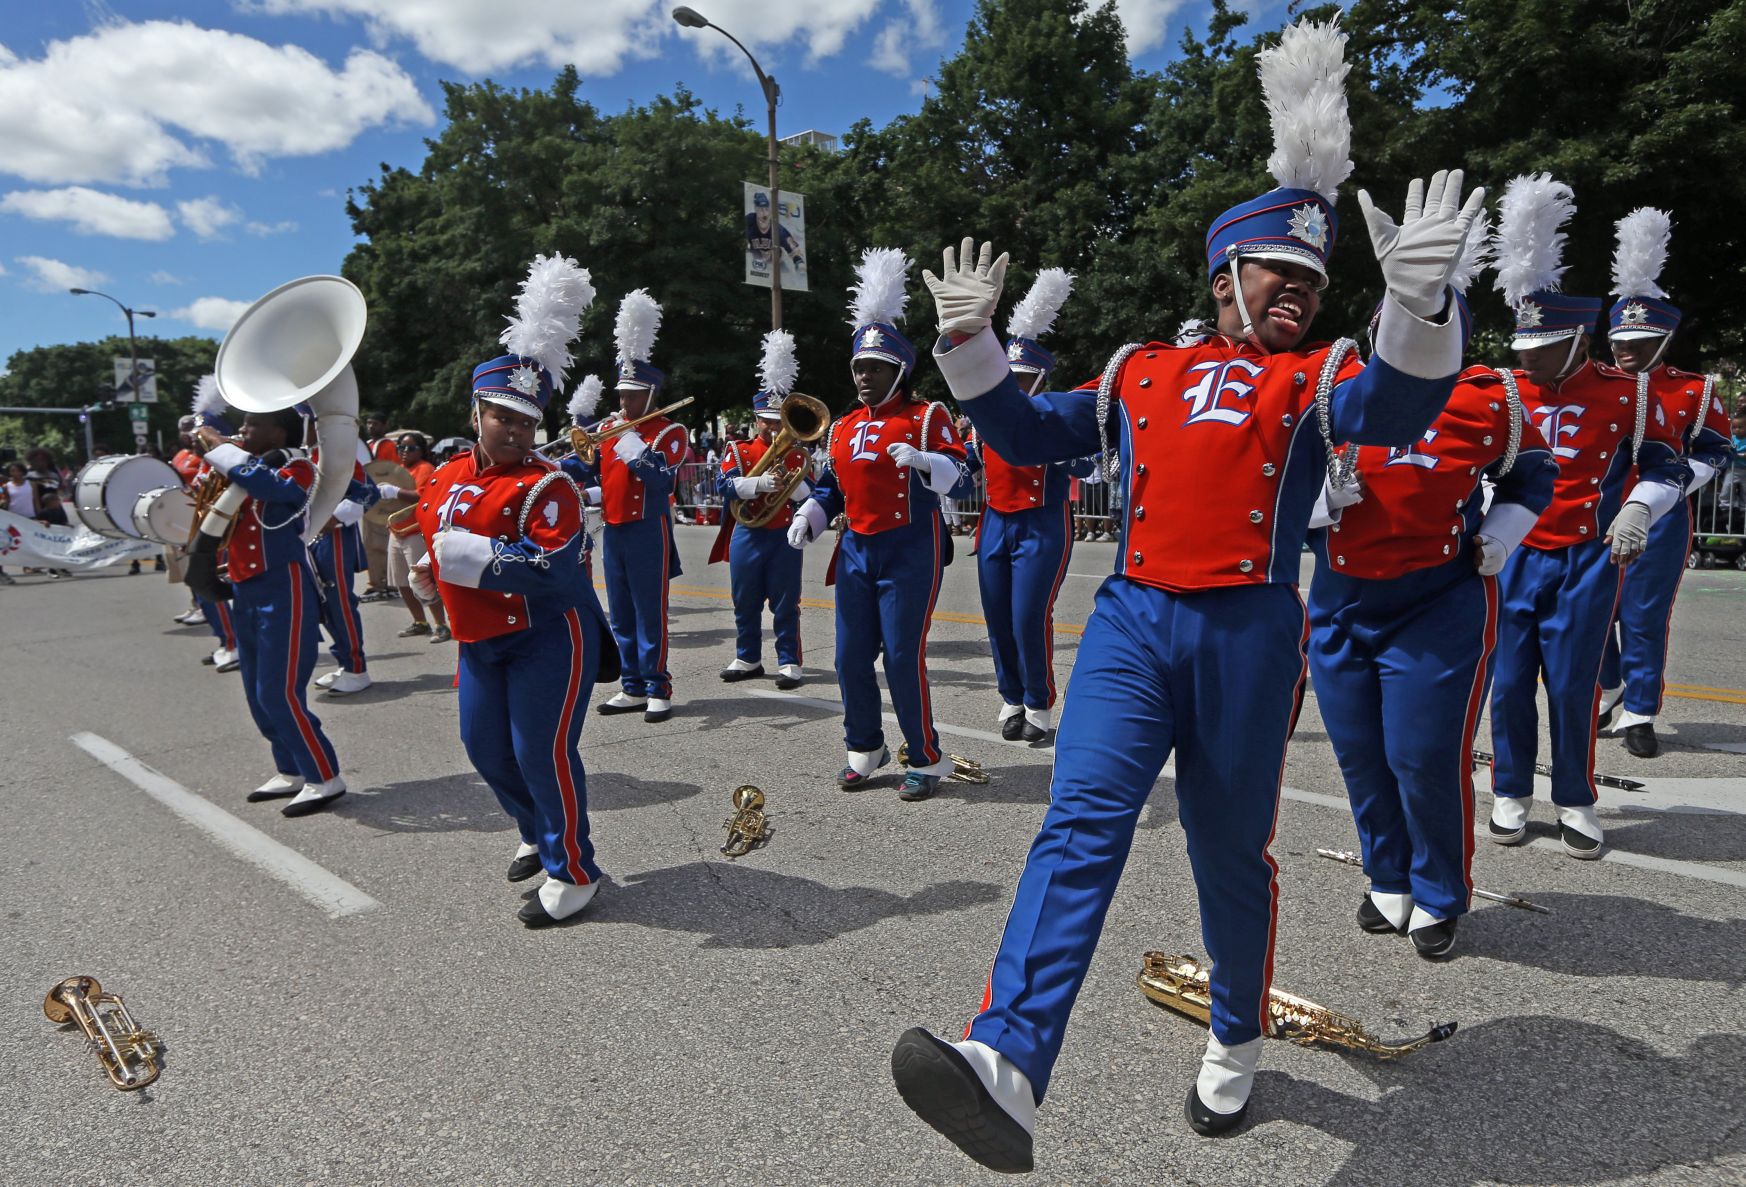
1629 534
799 532
1489 556
1418 255
905 454
630 447
1345 496
751 488
389 490
424 586
966 295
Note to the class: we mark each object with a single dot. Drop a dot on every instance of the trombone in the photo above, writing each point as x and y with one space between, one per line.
586 445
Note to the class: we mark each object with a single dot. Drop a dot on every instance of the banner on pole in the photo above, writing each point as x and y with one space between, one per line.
767 237
148 381
27 542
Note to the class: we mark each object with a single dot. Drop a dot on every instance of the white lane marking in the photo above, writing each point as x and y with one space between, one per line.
1665 865
328 891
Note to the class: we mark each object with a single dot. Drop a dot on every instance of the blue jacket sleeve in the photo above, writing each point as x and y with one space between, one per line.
1711 448
267 485
548 559
1383 406
1657 462
364 492
1034 430
1079 467
1529 482
828 493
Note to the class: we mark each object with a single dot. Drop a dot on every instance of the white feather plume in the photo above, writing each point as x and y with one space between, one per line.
1034 316
1641 253
1530 247
1303 80
639 320
1476 254
778 369
548 313
878 293
208 400
586 399
1192 331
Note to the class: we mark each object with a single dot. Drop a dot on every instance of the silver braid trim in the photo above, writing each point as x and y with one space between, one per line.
1513 397
927 421
1107 461
1341 463
1642 425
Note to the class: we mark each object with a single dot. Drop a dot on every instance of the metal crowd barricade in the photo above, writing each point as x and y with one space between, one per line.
1718 523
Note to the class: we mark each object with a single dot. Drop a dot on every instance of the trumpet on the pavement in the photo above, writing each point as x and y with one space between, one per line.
746 828
804 421
964 770
1508 900
129 1055
1181 984
585 443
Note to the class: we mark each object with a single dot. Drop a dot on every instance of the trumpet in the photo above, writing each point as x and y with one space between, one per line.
964 770
586 445
804 421
129 1055
746 828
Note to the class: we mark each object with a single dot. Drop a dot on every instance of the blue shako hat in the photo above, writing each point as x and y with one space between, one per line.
548 314
1642 310
1545 316
1033 317
1283 224
1642 317
639 320
876 302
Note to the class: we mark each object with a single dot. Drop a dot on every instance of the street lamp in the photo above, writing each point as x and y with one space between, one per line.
692 19
132 352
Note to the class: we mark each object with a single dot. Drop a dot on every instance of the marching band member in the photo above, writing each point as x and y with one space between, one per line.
1025 537
635 475
1197 641
406 543
1559 592
509 557
338 553
1641 327
1403 619
209 409
272 587
891 458
761 566
374 537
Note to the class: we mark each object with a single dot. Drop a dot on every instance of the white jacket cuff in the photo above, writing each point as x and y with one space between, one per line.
942 473
1701 473
1659 497
464 557
802 492
975 366
746 488
227 457
348 512
816 519
592 496
1508 524
1415 346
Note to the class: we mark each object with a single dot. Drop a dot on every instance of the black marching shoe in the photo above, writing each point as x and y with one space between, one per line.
735 675
1640 740
523 868
1207 1123
944 1090
1009 729
1434 941
1578 844
1373 920
621 702
1030 733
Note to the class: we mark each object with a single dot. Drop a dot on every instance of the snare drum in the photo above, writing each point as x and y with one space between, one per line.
107 489
165 515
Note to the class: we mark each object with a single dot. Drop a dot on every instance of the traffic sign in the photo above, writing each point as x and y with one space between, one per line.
138 413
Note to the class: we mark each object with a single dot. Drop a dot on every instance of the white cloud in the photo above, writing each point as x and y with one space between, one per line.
282 227
129 102
208 217
92 212
210 313
917 28
162 277
54 276
1147 21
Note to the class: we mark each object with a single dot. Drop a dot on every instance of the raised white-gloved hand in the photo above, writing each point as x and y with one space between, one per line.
751 488
1489 556
905 454
389 490
965 296
424 586
799 532
630 447
1418 255
1629 534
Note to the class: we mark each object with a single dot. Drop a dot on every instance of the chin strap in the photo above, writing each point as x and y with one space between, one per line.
1231 260
1570 358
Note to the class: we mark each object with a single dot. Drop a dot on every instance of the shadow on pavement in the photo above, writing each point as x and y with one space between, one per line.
381 691
450 804
1685 836
1610 935
742 906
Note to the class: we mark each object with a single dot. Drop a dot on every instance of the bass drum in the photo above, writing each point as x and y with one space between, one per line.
165 515
107 489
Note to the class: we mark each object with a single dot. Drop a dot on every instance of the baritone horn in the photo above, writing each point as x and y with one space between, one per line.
804 421
129 1055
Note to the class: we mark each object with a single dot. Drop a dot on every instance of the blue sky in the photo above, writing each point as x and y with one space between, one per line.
188 156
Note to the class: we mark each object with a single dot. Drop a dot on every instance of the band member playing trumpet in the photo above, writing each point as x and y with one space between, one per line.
1196 643
891 458
274 603
635 473
509 558
761 566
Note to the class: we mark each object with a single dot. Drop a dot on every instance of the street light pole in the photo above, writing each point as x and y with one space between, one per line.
692 19
132 355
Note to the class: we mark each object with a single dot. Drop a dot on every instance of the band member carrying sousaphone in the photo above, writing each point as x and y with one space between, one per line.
509 557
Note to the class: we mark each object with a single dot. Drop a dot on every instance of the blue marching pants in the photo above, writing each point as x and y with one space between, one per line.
1637 654
335 553
637 559
887 584
1213 675
1400 669
277 639
1555 607
1021 560
217 615
763 567
522 701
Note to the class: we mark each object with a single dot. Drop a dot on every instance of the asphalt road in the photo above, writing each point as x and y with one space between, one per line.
376 1015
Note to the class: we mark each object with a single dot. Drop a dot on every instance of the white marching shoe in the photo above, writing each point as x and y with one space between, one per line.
971 1094
326 680
1580 831
276 788
658 709
314 797
226 659
346 683
1219 1098
556 901
789 676
621 702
